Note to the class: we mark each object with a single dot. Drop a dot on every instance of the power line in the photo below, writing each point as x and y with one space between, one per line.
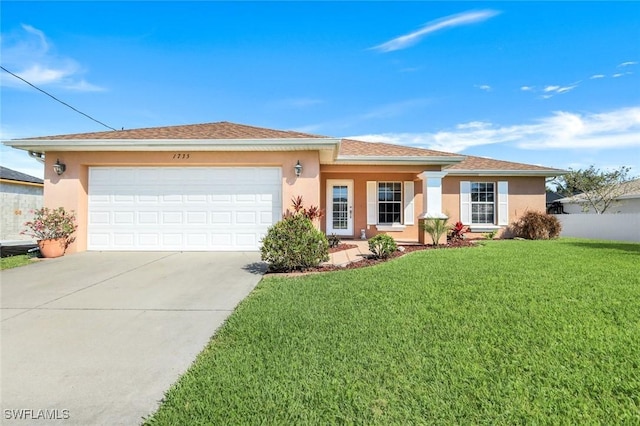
53 97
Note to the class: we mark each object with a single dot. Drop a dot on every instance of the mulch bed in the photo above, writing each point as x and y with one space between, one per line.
369 261
341 247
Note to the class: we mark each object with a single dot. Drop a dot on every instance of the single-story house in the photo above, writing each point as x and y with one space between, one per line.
627 202
20 193
220 186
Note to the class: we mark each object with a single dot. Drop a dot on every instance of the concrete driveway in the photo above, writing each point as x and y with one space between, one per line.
97 338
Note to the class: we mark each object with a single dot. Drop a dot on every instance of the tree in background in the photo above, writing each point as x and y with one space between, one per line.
594 188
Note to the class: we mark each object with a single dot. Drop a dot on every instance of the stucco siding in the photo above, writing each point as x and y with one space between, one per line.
70 190
525 193
360 176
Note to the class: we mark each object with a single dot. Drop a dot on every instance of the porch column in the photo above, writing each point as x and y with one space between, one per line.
431 203
432 195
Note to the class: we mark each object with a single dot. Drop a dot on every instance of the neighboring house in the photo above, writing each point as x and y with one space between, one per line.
19 194
627 203
554 206
219 186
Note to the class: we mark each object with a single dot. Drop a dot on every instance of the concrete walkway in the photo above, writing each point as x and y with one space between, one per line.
97 338
344 257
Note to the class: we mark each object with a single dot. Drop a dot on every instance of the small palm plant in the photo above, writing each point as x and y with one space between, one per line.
436 228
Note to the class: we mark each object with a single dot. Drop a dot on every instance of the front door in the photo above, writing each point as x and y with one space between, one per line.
340 207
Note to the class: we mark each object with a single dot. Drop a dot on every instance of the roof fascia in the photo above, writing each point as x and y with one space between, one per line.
546 173
271 144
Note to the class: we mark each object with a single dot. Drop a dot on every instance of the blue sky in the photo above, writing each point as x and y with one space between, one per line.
549 83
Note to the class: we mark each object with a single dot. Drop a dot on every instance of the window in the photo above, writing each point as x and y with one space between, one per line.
389 202
482 202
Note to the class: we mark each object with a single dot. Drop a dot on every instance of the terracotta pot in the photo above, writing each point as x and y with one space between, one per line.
52 248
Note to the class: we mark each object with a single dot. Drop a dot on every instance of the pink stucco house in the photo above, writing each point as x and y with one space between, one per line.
219 186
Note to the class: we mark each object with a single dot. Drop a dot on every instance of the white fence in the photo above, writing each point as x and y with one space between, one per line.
620 227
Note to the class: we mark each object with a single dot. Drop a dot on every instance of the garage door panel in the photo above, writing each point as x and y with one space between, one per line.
206 209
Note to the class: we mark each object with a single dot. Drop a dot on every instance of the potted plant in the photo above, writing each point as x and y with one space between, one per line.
52 228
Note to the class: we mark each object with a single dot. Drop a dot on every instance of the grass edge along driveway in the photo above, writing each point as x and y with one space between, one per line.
512 332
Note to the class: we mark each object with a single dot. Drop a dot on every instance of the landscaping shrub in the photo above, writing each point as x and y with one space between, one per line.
382 246
536 226
294 243
334 241
436 228
457 231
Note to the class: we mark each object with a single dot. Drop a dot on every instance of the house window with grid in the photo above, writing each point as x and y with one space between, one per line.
482 202
389 202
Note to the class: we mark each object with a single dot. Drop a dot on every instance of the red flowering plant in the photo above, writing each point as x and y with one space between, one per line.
52 224
457 231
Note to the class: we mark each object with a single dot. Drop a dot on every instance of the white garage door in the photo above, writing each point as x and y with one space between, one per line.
182 208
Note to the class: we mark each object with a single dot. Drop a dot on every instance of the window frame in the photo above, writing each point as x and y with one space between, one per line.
399 203
480 193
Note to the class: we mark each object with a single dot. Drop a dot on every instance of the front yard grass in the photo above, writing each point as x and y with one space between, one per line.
14 261
514 332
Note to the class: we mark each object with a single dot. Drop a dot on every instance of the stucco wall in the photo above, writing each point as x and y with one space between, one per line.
70 190
360 175
17 201
525 193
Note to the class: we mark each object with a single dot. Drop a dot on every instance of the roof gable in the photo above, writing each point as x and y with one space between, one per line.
218 130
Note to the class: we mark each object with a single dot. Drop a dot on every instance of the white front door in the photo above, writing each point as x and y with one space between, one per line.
340 207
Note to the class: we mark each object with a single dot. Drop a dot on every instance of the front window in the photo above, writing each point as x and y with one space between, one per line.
482 203
389 202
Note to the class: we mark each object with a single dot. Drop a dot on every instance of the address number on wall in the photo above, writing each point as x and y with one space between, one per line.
180 156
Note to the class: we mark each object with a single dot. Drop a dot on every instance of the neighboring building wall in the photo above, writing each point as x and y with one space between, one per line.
17 201
620 227
525 194
631 205
71 189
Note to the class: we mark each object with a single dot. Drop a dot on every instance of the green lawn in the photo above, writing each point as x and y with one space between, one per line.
514 332
14 261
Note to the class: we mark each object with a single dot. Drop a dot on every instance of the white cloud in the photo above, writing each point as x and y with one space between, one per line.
620 74
562 130
595 76
556 90
626 64
412 38
484 87
30 55
526 88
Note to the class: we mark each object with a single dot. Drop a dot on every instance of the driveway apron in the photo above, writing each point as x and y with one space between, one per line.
98 338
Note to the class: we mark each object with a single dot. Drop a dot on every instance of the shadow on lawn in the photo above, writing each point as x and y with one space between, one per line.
629 247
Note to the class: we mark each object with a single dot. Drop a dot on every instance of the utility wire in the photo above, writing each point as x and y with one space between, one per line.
51 96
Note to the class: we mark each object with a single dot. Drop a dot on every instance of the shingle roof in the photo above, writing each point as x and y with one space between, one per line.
9 174
629 189
348 147
481 163
219 130
374 149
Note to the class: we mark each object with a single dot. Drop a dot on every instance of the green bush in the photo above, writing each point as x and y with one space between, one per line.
294 244
536 226
382 246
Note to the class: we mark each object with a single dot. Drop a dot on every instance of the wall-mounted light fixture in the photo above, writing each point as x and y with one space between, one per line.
298 169
59 167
